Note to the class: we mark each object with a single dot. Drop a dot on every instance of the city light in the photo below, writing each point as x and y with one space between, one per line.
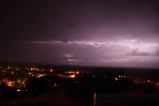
72 76
116 79
40 75
10 83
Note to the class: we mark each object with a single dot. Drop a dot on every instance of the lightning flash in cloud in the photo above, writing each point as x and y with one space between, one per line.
135 46
130 52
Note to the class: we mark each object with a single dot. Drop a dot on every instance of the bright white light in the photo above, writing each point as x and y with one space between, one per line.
108 52
18 90
127 46
147 48
67 55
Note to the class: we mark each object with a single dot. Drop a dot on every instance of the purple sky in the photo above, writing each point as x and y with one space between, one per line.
121 33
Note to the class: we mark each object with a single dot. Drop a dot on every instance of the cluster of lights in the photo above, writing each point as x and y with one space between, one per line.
73 72
69 74
18 77
122 76
10 83
21 83
40 75
151 82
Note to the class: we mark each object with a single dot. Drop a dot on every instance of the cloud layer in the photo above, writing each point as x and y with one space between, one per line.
128 52
135 47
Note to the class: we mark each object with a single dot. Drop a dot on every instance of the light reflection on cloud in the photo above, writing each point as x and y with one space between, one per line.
132 44
128 51
68 55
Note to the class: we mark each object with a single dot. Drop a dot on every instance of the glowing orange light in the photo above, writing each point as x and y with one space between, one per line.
77 72
40 75
10 83
72 76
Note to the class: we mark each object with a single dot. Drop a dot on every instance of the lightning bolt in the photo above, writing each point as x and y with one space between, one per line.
133 43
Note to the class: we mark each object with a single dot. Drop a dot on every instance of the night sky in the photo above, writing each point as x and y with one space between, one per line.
122 33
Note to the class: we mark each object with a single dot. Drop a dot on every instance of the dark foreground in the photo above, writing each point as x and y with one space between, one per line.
128 100
76 86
